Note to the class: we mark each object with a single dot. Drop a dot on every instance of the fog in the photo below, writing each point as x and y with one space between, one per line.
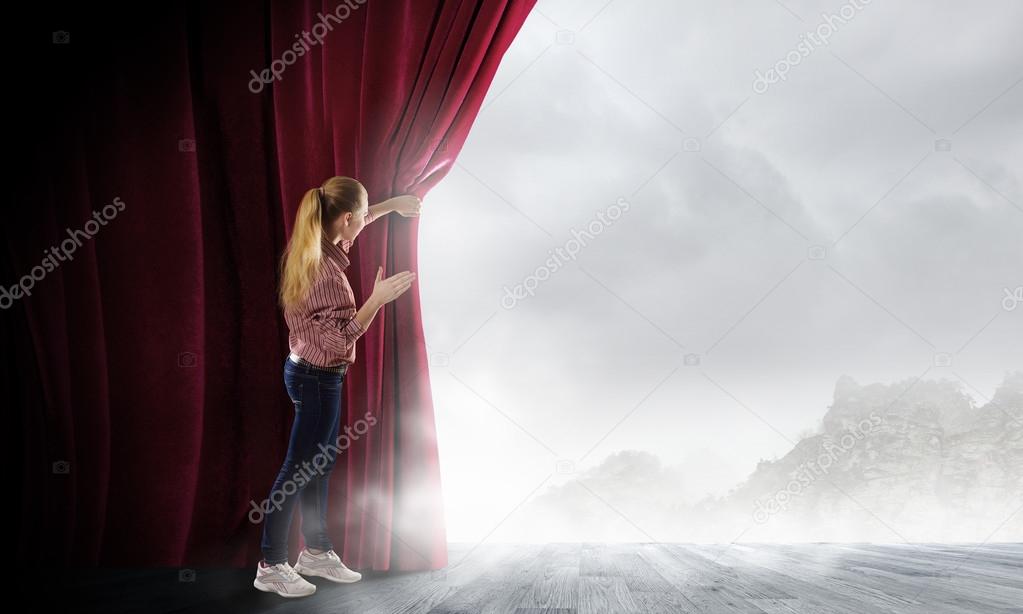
698 257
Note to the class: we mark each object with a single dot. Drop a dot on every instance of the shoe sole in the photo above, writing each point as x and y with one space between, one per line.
268 589
305 571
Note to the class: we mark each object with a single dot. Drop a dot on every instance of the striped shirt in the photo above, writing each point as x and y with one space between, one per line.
322 329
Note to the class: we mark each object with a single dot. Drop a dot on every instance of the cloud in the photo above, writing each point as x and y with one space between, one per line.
844 151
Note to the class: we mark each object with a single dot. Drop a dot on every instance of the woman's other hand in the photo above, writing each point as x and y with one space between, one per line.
386 290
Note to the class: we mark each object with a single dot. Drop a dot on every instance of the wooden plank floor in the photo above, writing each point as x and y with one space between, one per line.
602 578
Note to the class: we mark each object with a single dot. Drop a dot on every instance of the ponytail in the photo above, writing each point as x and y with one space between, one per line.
301 260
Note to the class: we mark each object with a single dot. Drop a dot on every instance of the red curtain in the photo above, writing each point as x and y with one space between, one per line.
147 361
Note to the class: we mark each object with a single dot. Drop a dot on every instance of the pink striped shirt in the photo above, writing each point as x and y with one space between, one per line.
322 329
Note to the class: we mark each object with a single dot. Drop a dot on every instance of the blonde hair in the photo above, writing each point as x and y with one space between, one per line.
320 208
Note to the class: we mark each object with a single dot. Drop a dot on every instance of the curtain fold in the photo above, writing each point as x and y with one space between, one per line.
148 364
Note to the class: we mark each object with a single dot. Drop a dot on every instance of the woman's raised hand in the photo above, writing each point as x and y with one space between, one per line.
407 205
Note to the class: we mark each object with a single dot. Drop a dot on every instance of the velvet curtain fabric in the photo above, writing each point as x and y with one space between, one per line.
163 161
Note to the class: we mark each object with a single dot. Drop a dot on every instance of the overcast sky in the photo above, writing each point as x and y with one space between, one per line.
780 239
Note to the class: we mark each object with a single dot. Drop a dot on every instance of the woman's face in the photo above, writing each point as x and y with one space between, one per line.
349 225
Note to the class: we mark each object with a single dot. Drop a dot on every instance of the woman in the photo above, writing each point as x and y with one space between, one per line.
323 326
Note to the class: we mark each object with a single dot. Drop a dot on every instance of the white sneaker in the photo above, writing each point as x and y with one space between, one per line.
283 580
326 565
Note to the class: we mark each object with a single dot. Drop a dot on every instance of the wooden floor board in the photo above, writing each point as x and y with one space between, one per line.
597 578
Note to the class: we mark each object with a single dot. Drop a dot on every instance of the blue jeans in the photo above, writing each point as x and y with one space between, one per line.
312 452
